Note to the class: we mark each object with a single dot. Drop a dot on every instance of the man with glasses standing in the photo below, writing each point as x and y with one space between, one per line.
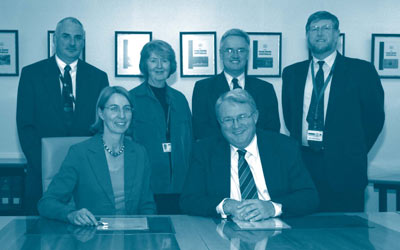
234 53
56 97
334 106
247 174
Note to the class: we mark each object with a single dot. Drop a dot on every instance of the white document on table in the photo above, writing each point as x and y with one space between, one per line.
108 223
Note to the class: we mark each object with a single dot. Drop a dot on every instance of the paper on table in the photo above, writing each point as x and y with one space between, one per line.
269 224
139 223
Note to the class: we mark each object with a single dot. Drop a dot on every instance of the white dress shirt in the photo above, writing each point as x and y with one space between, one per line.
229 80
308 90
253 159
74 65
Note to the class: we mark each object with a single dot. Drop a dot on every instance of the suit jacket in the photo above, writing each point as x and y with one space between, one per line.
149 128
40 108
84 175
207 91
288 182
354 118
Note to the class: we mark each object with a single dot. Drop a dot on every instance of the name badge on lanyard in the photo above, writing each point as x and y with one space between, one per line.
315 135
166 147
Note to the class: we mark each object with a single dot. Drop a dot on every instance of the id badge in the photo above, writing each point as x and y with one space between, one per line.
166 147
314 135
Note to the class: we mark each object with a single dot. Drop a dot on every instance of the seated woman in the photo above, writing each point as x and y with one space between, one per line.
107 174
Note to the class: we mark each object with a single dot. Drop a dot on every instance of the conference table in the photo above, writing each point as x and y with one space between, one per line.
320 231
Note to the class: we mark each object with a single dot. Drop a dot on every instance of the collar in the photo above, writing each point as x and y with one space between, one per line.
329 60
229 80
61 65
252 148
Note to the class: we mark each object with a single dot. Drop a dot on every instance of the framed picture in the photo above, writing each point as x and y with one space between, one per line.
9 53
386 54
128 45
340 45
51 49
198 54
265 54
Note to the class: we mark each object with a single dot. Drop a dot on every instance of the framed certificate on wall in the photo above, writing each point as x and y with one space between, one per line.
128 45
9 53
385 54
265 54
198 54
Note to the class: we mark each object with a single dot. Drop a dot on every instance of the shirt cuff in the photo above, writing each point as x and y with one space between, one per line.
220 209
278 208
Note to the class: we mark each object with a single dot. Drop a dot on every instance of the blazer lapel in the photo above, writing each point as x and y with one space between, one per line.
130 177
270 163
221 167
298 96
336 89
51 80
98 163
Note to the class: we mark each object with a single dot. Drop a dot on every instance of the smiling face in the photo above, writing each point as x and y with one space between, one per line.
234 54
69 40
116 115
158 68
322 38
238 123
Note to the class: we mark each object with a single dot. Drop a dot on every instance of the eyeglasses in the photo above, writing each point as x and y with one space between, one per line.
325 28
228 121
115 109
231 51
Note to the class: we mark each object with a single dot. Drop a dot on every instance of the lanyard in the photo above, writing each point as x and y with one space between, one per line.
321 93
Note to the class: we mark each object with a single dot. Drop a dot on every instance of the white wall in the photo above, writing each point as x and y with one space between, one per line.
358 19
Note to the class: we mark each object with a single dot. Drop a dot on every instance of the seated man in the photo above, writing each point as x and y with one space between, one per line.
248 174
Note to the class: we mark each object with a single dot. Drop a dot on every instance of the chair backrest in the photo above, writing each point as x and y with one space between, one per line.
54 150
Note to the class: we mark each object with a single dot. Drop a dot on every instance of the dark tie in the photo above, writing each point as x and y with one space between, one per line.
235 83
248 187
68 97
315 117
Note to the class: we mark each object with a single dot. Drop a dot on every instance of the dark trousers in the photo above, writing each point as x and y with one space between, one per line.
33 193
330 199
167 203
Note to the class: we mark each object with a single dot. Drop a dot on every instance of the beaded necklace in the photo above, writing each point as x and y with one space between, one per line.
112 153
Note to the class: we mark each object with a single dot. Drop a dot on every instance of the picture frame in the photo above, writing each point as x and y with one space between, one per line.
128 45
9 57
198 55
340 45
51 49
385 54
265 54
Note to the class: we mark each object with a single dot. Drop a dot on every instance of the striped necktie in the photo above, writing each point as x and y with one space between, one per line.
248 187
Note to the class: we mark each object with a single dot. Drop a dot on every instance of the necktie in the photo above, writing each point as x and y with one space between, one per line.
315 117
68 97
235 83
248 187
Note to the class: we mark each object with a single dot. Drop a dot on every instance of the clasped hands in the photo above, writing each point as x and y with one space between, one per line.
249 210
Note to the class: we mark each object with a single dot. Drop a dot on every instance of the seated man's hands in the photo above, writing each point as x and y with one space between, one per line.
249 210
82 217
255 210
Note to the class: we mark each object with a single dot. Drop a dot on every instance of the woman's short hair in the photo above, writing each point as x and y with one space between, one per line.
236 96
159 48
105 94
323 15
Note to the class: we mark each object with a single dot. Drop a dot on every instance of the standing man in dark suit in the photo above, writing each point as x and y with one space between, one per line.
56 97
334 106
234 53
246 173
